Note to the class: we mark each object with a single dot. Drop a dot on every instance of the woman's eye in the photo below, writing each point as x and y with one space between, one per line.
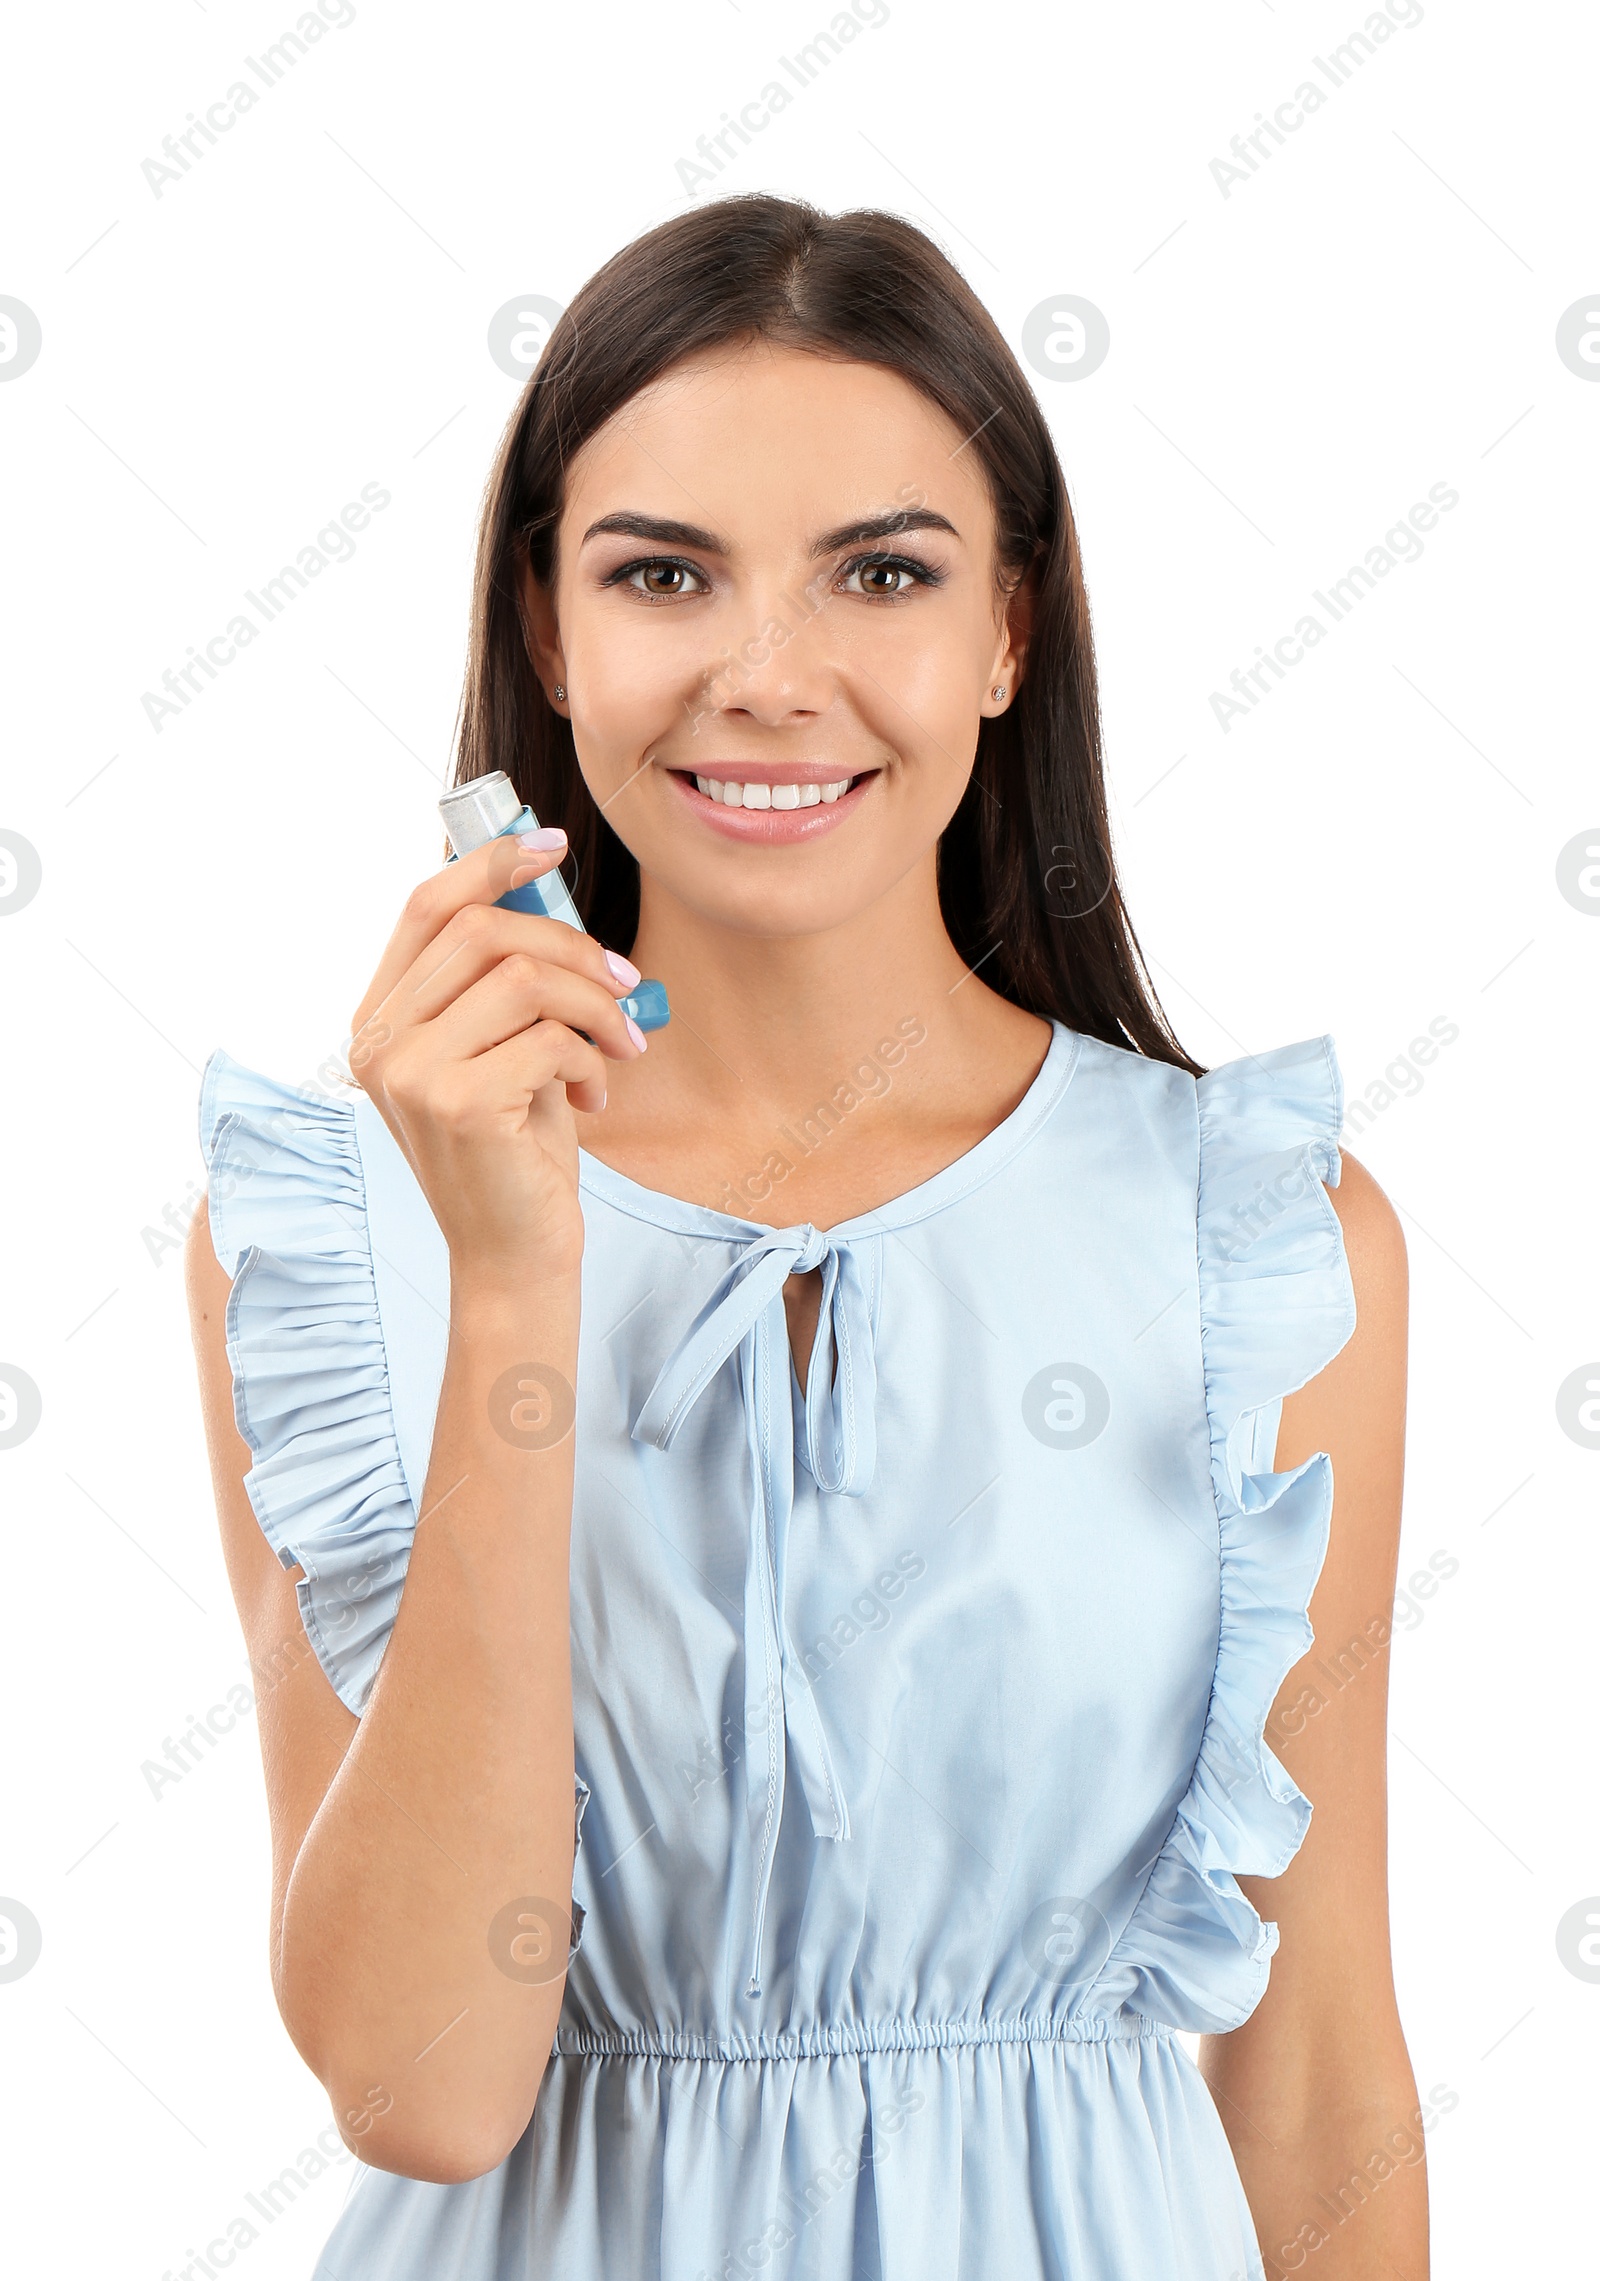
885 575
662 579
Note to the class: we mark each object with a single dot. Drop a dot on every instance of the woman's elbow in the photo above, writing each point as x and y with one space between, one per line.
415 2140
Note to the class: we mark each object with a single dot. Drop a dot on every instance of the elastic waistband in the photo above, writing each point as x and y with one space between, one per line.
836 2041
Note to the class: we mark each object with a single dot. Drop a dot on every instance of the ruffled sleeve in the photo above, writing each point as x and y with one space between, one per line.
312 1397
1276 1304
310 1385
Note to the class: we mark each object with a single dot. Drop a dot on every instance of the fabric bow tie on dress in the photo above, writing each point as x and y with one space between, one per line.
746 1313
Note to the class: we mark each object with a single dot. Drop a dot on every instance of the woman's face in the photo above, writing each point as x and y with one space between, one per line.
776 619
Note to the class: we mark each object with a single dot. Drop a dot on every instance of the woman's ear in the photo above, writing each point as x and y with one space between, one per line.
1011 648
541 634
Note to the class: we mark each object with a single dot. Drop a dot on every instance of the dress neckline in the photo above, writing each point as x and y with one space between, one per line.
942 1188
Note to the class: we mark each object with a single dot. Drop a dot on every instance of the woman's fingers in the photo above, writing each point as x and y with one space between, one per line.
494 1088
471 943
481 1033
477 881
476 999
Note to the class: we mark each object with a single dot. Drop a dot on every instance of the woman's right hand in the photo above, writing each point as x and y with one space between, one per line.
467 1043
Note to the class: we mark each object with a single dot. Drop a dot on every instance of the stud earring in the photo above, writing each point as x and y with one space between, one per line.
997 694
559 692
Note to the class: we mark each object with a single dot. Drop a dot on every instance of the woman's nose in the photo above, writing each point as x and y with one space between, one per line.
782 674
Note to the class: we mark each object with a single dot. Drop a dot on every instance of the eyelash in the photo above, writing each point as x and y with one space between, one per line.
922 573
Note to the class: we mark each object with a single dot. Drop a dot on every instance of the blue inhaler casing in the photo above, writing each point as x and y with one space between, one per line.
487 809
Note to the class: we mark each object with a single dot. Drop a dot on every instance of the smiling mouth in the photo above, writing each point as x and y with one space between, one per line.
730 792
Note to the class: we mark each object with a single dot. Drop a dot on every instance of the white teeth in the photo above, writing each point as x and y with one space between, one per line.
733 795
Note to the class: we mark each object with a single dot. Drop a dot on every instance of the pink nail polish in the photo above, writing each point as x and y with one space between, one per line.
635 1032
547 836
623 969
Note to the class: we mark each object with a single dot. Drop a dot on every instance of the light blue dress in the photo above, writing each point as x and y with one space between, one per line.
918 1712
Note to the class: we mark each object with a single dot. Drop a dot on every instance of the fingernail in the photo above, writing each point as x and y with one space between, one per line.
635 1032
547 836
623 969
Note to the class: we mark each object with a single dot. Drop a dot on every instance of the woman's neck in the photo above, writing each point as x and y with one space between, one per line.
816 1076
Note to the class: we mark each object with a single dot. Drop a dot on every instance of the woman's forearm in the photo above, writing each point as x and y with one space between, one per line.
1340 2193
423 1996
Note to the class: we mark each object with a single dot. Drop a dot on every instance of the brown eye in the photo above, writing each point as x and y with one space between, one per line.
887 577
662 579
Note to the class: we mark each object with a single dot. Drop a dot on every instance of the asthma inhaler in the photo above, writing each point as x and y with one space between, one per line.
488 809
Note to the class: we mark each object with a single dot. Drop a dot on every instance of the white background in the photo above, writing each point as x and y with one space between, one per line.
1291 367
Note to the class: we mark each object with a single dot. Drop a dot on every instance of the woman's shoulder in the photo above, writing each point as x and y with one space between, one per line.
1269 1118
1374 1239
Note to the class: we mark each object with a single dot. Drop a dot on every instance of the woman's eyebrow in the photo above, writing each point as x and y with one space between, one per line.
887 526
659 529
662 530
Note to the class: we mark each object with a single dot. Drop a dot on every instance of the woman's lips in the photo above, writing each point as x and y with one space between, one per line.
769 827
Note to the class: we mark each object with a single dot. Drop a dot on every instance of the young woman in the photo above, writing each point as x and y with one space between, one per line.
871 1444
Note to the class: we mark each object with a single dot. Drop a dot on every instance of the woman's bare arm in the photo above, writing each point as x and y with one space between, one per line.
1316 2090
422 1856
399 1839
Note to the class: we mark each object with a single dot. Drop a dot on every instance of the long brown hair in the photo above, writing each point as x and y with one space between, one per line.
1028 886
